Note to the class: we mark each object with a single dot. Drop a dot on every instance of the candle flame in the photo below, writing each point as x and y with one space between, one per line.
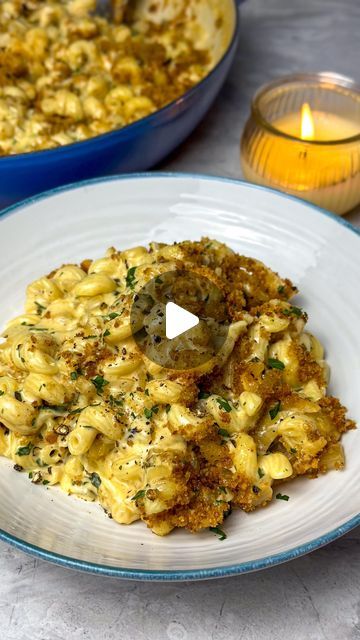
307 123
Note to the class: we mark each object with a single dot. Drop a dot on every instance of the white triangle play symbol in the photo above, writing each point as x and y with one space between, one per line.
178 320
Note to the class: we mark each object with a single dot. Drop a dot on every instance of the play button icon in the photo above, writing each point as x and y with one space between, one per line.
178 320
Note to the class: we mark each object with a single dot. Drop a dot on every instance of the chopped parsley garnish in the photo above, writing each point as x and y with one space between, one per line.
218 532
203 395
158 280
2 393
40 463
275 410
296 311
281 289
167 408
89 337
274 363
223 404
146 392
130 278
113 315
24 451
95 480
118 403
18 396
39 308
223 433
58 408
99 383
260 472
292 450
75 411
282 496
106 333
139 495
45 481
74 375
148 413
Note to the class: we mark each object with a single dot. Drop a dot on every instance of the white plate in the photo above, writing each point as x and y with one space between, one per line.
316 250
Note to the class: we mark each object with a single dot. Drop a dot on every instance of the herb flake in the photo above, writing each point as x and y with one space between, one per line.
95 480
274 363
223 404
218 532
130 278
24 451
139 495
113 315
274 410
148 413
113 401
39 308
99 383
295 311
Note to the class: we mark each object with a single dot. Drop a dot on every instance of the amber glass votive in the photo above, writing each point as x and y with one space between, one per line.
303 137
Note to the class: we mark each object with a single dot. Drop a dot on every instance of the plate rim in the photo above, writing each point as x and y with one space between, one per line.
180 575
78 184
187 574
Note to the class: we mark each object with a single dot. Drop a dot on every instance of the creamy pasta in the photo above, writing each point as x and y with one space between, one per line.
83 407
67 74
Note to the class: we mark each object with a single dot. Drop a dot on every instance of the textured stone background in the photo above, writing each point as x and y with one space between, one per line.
313 598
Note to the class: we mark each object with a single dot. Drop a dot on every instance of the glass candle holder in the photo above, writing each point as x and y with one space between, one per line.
303 137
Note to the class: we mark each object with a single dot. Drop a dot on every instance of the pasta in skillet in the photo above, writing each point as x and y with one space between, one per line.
82 406
68 74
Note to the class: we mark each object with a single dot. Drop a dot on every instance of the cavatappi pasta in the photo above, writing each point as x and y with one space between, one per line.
67 74
82 407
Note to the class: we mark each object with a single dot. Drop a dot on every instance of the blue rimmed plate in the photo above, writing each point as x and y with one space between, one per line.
316 250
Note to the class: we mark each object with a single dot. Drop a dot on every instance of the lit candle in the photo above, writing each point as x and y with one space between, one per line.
311 153
316 125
